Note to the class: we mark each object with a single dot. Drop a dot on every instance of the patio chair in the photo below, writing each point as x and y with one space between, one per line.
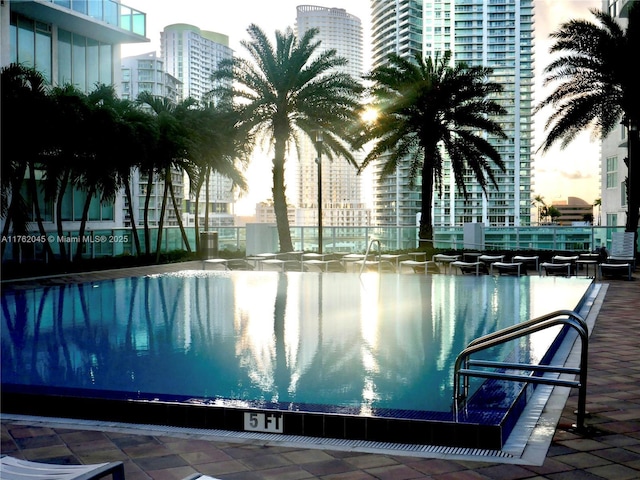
12 468
623 249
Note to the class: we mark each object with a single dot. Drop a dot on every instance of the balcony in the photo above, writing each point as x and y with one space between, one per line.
104 20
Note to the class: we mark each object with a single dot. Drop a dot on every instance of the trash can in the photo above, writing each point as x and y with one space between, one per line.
208 245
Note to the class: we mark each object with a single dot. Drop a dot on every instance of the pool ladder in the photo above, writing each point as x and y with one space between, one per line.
464 365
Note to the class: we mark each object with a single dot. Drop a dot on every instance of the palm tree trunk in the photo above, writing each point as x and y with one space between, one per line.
34 195
61 190
134 228
196 220
147 200
206 198
426 225
178 211
279 195
165 195
14 207
83 221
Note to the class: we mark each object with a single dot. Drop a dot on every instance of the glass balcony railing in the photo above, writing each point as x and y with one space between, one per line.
110 12
118 242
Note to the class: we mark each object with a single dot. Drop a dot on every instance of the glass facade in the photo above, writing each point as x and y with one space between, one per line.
81 61
498 35
30 42
494 33
64 56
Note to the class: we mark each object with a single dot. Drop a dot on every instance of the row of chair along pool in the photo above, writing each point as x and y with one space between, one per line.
473 263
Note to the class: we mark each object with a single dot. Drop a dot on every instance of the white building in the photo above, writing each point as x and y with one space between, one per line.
494 34
342 199
192 55
146 73
613 170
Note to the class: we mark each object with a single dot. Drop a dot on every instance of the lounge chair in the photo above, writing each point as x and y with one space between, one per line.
623 249
12 468
445 260
503 268
471 268
239 264
417 266
615 269
532 261
489 260
557 269
571 260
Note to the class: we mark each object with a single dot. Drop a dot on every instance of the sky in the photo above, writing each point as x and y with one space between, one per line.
559 174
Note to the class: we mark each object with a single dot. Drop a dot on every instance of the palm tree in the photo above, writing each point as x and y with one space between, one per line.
292 89
69 153
598 203
171 152
553 213
25 101
539 202
217 142
428 109
98 177
597 89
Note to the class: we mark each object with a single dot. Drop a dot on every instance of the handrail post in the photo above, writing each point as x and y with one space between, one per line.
460 393
582 390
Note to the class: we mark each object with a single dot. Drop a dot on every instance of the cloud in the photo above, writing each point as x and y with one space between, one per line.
576 175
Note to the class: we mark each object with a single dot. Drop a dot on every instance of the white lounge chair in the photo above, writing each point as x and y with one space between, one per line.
12 468
474 268
615 269
623 249
556 269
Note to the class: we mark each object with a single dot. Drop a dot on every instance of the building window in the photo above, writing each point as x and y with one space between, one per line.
30 44
612 219
612 172
73 204
83 62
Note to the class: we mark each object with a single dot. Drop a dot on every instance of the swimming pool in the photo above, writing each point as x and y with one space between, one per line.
333 354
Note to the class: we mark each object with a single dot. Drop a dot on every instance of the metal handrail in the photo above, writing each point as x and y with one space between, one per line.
366 254
560 317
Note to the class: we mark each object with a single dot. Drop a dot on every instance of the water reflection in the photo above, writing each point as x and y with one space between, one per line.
334 339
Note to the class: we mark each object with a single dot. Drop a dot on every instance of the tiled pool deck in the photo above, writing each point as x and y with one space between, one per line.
610 451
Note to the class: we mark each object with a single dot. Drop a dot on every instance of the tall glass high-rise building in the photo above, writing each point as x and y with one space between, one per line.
493 33
342 203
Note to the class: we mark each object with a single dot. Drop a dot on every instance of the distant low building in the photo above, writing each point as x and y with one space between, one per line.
573 210
265 213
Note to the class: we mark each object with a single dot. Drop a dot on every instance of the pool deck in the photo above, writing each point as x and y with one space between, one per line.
611 450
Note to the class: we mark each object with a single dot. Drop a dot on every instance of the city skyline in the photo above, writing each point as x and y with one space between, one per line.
559 174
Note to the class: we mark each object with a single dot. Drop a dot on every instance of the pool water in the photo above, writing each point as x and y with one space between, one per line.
365 343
